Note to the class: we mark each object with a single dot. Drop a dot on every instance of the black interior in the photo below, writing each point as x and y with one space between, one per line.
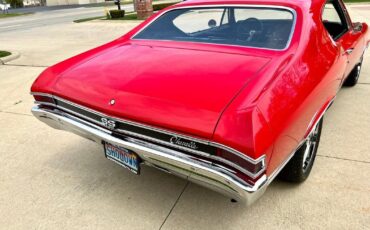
335 29
274 34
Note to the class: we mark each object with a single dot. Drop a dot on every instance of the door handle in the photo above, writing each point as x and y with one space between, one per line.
349 51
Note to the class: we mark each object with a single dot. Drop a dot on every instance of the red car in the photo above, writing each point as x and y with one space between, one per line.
224 93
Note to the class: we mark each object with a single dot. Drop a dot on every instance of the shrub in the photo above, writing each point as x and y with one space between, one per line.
15 3
161 6
117 13
4 53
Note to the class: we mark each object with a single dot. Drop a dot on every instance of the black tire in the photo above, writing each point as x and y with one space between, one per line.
353 77
299 167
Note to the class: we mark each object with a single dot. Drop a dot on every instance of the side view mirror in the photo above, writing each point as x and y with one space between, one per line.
357 27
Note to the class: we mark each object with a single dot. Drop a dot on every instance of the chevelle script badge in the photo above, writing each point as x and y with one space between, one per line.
184 143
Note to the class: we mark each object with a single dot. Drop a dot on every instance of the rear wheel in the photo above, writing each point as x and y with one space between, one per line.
299 167
353 77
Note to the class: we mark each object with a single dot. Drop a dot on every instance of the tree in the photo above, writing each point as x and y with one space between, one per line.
15 3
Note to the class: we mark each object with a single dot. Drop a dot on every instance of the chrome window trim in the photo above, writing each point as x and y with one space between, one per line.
214 144
291 10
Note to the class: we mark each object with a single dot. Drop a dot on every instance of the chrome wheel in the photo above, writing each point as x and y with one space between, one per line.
299 167
358 70
354 75
310 148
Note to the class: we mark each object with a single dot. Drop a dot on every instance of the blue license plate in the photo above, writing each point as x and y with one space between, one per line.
124 157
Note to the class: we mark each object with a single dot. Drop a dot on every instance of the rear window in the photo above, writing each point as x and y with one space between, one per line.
269 28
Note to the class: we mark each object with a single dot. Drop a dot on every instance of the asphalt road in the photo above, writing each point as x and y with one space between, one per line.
52 179
53 17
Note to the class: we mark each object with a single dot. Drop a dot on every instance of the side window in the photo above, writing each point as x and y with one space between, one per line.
334 19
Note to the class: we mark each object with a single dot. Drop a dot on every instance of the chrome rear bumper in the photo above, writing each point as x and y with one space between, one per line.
196 170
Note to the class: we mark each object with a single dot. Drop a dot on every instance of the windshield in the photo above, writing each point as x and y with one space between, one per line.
260 27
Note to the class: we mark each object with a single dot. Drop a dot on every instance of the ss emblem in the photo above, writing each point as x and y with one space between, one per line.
108 123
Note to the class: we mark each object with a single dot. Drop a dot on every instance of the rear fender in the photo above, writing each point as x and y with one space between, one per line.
318 115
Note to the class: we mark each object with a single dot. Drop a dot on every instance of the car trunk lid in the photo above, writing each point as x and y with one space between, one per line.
183 90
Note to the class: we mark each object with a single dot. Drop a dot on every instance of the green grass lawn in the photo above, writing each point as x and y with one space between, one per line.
88 19
129 16
4 53
2 15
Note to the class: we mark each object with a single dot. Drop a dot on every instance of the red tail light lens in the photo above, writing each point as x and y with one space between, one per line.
43 99
254 168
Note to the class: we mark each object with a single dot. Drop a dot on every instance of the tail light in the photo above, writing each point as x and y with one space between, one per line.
44 99
254 168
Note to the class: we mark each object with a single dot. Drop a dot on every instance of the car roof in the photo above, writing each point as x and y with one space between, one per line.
296 2
302 4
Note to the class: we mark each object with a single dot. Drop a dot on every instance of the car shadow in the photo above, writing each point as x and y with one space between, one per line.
81 168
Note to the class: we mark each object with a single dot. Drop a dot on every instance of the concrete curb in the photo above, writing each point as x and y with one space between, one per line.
9 58
358 3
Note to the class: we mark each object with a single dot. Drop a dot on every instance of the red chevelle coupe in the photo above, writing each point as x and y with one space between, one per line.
227 94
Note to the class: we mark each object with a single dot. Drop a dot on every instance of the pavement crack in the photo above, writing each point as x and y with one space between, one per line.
344 159
363 83
177 200
17 102
14 113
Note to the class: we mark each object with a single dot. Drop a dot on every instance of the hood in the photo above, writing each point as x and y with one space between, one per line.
183 90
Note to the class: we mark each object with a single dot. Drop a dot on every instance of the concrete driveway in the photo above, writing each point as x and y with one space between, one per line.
55 180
